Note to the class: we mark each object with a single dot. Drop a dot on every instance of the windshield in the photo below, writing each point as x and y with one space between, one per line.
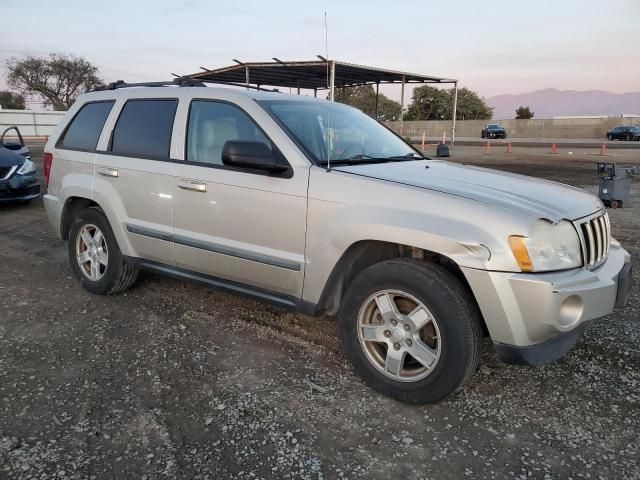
493 126
336 132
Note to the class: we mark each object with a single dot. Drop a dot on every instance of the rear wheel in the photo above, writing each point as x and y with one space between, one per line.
410 330
629 137
95 257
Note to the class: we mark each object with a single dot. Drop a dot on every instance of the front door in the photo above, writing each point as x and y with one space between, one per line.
236 224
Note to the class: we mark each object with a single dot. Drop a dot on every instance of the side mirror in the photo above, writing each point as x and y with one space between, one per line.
253 155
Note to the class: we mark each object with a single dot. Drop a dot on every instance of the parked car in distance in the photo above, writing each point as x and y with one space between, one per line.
18 178
493 130
624 132
316 207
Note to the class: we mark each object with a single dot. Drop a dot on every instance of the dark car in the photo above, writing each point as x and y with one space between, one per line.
493 130
624 132
18 178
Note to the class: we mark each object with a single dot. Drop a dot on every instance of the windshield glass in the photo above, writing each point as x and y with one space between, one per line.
493 126
336 132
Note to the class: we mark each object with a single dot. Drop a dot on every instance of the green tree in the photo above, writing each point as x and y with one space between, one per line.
364 98
524 113
11 100
431 103
57 79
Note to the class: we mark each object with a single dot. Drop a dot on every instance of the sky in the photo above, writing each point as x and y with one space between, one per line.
491 46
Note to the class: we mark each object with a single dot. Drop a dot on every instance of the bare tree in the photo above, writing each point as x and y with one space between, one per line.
57 79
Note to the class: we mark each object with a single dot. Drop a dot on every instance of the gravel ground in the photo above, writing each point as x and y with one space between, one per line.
172 380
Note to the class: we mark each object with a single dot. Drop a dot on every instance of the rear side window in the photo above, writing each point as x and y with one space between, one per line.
144 128
84 130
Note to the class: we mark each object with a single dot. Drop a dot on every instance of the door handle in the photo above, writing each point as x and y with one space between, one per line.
107 171
192 185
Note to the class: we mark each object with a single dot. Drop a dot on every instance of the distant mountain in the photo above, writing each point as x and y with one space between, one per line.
552 102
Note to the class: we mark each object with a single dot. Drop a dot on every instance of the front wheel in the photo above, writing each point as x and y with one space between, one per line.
610 137
410 330
629 138
94 255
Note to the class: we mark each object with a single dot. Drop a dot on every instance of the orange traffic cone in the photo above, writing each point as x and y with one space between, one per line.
487 148
509 149
603 150
554 148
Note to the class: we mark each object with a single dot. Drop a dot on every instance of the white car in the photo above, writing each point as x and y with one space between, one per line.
316 207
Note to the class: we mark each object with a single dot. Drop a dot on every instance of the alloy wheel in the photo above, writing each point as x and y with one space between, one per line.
92 253
399 335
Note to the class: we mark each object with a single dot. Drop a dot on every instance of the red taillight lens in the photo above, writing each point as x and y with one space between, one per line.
47 161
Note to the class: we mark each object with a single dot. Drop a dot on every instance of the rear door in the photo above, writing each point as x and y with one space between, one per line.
134 171
236 224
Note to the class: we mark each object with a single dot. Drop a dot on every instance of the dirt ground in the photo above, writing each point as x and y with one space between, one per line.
173 380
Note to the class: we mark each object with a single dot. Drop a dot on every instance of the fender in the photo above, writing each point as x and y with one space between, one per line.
345 209
105 195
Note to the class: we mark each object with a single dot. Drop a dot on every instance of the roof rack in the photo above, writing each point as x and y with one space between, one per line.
178 82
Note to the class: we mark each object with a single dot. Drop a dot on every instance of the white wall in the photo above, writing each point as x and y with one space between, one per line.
30 123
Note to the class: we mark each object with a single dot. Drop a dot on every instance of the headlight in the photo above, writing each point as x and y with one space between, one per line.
27 167
550 247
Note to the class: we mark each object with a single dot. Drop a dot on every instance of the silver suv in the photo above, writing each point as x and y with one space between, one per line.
316 207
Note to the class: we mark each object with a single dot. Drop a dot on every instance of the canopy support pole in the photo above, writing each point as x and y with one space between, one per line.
377 96
455 108
246 76
402 106
332 81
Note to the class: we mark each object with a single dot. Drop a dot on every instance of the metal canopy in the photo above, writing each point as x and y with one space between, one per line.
320 74
314 75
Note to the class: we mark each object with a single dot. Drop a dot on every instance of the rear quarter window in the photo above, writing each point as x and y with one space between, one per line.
84 130
144 128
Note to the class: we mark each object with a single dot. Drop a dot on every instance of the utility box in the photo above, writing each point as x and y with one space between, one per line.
442 150
615 184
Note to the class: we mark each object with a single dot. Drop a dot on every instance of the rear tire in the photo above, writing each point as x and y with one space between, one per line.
94 255
381 348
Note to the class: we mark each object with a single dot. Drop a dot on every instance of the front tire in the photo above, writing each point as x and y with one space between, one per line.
411 330
610 137
94 255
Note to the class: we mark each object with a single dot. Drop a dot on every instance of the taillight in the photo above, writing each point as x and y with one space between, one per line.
47 161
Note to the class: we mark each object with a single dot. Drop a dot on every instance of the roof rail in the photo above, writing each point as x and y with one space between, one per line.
179 82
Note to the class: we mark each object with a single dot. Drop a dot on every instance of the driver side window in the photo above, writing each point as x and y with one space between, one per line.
211 124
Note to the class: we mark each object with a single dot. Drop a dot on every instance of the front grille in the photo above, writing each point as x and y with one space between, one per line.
596 237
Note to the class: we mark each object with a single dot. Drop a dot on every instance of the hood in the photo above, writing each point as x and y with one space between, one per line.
9 158
519 193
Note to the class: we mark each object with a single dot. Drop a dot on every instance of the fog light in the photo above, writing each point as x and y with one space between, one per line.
570 311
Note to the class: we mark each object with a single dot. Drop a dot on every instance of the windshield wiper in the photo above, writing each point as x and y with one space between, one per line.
362 159
410 156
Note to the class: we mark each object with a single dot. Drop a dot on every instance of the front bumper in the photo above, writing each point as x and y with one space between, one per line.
537 318
19 188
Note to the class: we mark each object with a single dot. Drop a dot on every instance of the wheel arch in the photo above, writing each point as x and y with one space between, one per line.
365 253
72 205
